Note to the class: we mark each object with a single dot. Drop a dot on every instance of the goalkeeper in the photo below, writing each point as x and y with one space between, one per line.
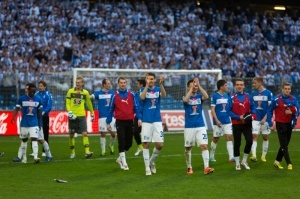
75 103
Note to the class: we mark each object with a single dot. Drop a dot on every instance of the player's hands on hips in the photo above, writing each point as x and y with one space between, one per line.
92 118
71 115
161 79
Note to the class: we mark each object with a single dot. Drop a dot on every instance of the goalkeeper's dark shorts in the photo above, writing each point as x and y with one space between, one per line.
78 125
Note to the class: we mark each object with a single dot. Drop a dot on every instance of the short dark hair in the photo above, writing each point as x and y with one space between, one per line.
104 81
31 85
151 74
142 82
220 83
121 78
239 80
190 81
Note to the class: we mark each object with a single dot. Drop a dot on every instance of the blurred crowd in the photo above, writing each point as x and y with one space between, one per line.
41 39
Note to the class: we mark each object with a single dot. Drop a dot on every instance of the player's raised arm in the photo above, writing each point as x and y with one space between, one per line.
202 91
143 94
163 92
187 97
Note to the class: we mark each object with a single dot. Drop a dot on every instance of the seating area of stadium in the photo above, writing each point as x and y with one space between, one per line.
41 39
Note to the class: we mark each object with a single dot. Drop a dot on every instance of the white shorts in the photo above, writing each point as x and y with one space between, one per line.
257 127
41 134
103 127
29 132
192 135
152 132
224 129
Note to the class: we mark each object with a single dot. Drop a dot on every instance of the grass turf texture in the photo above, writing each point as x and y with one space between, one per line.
101 177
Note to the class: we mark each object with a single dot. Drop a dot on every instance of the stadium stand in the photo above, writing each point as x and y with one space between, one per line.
47 39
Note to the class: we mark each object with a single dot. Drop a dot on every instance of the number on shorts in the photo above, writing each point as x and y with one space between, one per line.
204 136
161 134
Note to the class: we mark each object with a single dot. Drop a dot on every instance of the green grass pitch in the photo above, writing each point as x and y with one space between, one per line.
101 177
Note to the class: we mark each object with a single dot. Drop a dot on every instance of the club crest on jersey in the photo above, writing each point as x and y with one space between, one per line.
194 110
30 110
107 102
152 104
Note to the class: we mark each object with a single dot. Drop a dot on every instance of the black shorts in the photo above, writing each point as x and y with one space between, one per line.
136 127
78 125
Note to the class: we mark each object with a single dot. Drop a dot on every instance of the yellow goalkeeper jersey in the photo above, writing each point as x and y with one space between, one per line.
76 100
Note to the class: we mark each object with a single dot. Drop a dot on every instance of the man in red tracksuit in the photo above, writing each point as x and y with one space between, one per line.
123 105
240 108
285 107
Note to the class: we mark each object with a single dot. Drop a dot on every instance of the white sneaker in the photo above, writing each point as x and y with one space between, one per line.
245 164
43 154
72 155
24 160
148 172
32 155
119 162
238 167
125 168
153 167
138 151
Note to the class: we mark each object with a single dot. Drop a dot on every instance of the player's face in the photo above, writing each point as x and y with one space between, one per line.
122 84
107 86
193 86
151 80
224 88
79 84
239 86
256 84
26 90
286 90
31 91
138 85
41 87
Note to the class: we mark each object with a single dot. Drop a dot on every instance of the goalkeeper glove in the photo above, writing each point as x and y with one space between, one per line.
71 115
92 118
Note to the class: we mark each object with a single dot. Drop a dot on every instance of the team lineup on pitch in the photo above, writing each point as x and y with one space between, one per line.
124 114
